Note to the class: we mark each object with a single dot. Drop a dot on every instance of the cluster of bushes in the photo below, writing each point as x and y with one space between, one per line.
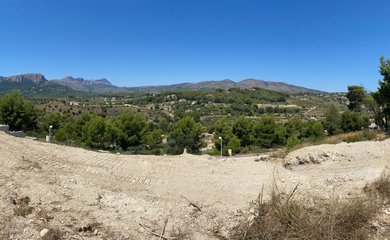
347 121
265 132
123 132
18 113
229 96
130 131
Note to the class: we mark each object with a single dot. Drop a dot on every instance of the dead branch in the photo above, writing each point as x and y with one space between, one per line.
165 225
192 204
78 234
292 193
156 234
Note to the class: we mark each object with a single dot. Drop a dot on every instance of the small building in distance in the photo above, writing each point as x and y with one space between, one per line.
373 126
207 138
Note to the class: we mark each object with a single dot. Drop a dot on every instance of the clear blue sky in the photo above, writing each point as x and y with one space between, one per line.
322 44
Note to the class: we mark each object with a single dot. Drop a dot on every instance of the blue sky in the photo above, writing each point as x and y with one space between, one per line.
321 44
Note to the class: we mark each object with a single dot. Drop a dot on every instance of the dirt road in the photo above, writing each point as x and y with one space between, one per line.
109 196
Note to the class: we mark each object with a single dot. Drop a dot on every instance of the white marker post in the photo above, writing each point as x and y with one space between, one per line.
220 138
50 133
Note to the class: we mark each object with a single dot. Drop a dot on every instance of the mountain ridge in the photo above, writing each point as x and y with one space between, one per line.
35 78
226 84
105 86
84 85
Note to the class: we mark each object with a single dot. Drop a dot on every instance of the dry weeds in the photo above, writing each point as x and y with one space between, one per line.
22 207
286 218
380 187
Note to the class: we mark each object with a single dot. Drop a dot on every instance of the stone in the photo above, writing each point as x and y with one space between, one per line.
44 232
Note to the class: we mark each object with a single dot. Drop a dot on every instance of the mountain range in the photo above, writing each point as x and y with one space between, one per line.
37 83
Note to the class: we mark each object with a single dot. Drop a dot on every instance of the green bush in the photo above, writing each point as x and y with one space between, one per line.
332 121
353 121
185 134
292 141
18 113
131 126
234 145
361 136
369 135
268 133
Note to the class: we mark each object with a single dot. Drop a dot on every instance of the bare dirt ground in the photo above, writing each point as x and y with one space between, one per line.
92 195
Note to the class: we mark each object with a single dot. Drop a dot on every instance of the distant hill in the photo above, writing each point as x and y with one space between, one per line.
276 86
37 83
226 84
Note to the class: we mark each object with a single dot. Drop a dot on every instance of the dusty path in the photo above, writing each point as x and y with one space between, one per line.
78 187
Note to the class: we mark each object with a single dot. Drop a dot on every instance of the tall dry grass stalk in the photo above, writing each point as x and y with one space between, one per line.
283 217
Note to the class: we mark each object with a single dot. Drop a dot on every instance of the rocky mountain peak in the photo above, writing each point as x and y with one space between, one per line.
29 77
83 81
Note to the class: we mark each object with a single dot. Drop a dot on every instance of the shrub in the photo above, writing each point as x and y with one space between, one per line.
268 133
361 136
369 135
18 113
332 121
185 134
292 141
380 187
353 121
285 218
22 207
234 144
131 126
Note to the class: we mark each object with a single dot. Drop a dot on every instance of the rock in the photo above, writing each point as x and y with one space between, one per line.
44 232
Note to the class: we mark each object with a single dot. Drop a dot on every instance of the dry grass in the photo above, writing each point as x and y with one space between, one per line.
285 218
22 207
178 233
349 137
380 187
